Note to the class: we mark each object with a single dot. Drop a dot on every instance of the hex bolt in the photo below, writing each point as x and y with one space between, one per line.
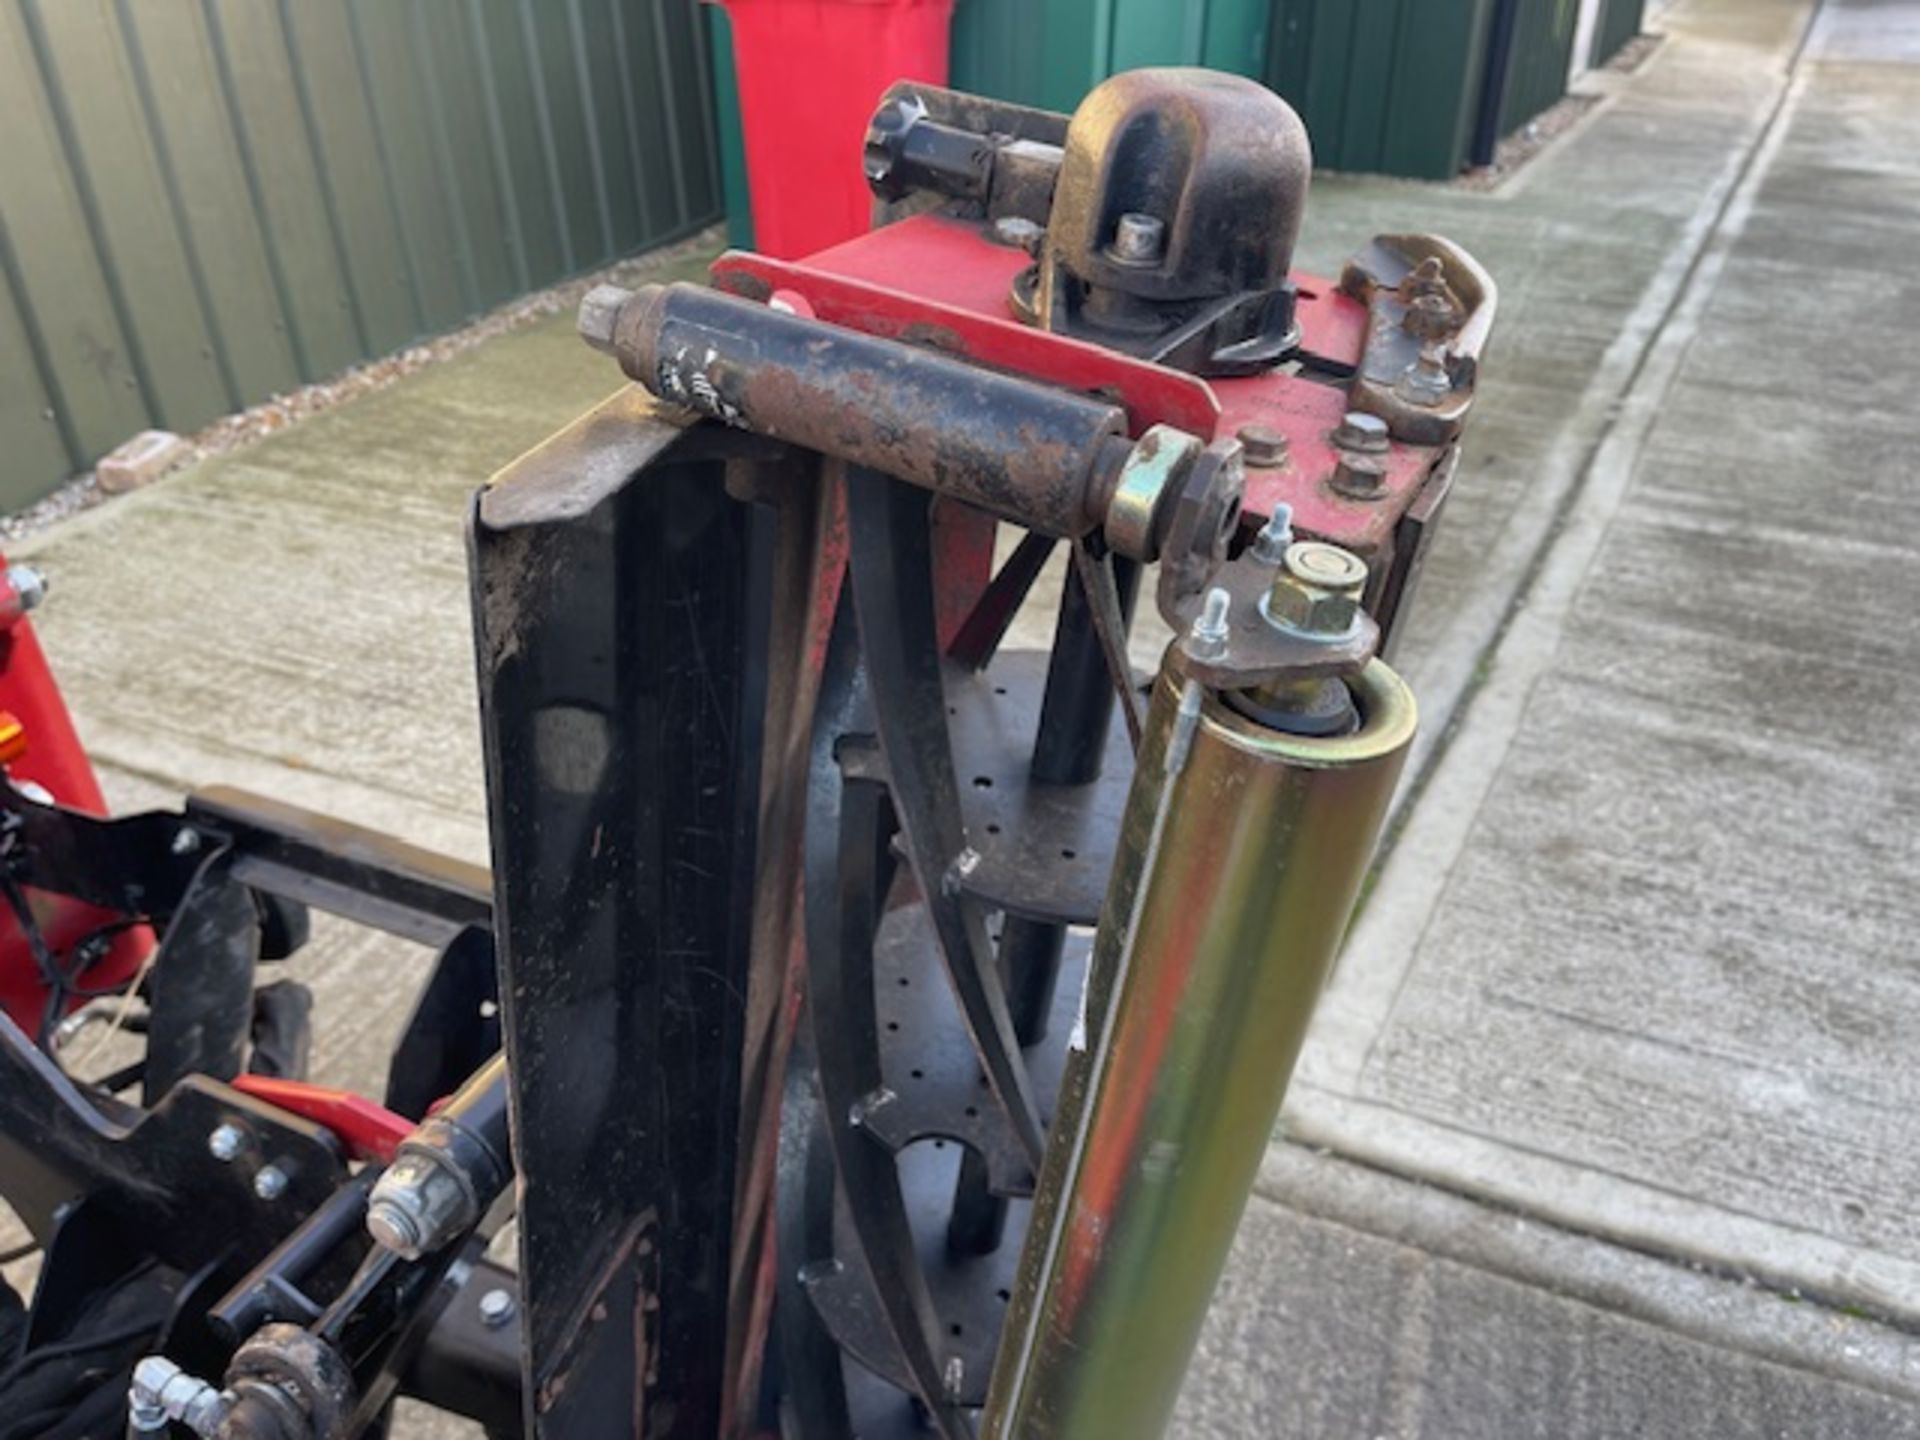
1270 545
600 315
28 584
1263 447
1138 238
1314 562
1317 592
1360 431
270 1182
186 840
1360 477
225 1141
496 1308
1208 637
1019 232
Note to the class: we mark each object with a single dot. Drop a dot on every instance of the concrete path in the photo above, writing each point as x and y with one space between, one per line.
1637 969
1642 961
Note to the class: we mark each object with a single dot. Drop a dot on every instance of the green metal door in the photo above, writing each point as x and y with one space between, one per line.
1383 85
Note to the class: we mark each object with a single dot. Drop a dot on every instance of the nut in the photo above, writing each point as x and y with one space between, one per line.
600 315
225 1141
270 1182
418 1204
161 1392
1317 591
1429 277
1138 239
1427 381
1429 317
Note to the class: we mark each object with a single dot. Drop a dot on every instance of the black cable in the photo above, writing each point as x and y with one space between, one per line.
100 1341
50 972
19 1252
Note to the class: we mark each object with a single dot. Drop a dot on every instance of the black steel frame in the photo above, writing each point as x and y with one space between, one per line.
113 1190
625 611
621 612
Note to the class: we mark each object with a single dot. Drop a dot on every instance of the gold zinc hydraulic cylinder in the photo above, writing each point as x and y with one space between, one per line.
1260 792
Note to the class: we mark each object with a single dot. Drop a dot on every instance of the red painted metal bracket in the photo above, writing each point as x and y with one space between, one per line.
1150 394
944 283
367 1130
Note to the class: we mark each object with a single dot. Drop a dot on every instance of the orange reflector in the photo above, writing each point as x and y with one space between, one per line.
13 737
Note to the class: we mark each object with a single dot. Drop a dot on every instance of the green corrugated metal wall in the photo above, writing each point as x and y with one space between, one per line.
1384 85
1542 53
1620 21
203 202
1051 52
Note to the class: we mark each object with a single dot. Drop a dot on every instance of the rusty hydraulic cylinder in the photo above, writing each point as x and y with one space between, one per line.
1242 851
1044 458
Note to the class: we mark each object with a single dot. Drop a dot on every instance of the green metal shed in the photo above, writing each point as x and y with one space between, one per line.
1384 85
1542 57
1051 54
203 204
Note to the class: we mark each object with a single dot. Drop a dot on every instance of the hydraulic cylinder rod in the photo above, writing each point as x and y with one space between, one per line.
1242 851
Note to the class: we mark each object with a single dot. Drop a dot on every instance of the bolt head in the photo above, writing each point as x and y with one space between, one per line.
186 840
270 1182
1264 447
1360 477
600 315
28 584
1360 431
496 1308
1314 562
1317 591
1019 232
1138 238
900 113
225 1141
